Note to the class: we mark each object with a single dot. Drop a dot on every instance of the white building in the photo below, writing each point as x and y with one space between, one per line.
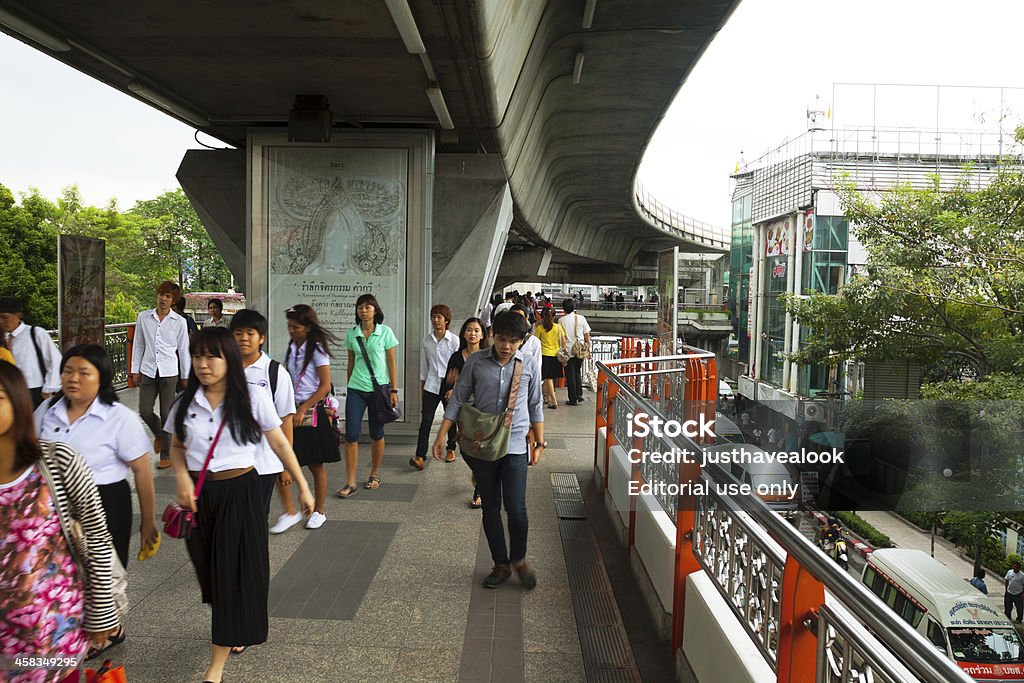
790 237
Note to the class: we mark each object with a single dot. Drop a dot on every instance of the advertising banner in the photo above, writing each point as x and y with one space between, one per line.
338 225
668 292
777 242
81 267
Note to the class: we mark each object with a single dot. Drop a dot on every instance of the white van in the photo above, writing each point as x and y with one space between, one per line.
969 627
775 479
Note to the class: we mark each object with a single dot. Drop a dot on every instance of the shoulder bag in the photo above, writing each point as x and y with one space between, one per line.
178 521
579 346
486 436
381 404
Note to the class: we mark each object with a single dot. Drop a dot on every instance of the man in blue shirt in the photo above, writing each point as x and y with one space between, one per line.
487 378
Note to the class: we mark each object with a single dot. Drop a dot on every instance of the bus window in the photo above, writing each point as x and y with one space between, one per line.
936 636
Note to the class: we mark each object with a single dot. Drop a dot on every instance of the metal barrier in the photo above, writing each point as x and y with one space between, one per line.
645 306
117 339
673 222
771 576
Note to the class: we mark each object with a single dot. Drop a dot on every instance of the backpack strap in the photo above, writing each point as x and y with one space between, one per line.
39 353
275 368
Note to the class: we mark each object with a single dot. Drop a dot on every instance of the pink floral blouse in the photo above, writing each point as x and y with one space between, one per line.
41 594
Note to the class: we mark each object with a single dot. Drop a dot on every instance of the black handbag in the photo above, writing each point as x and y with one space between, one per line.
381 402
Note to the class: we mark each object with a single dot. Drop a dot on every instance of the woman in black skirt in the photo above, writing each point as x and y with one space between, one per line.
308 361
220 413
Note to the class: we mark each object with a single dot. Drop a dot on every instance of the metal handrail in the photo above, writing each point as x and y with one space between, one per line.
909 646
670 220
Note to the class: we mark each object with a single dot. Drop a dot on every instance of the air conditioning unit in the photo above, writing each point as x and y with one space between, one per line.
812 411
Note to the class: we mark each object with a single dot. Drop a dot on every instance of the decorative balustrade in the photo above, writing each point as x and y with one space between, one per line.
773 579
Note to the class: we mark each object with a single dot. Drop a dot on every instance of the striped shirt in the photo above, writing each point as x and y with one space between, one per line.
77 498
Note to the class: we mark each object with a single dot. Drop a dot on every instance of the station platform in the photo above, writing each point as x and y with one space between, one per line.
389 589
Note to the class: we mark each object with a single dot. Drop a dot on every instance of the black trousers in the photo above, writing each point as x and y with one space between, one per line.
574 379
267 482
117 504
430 401
1010 601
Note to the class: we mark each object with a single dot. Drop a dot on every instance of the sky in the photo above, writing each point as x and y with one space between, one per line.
749 92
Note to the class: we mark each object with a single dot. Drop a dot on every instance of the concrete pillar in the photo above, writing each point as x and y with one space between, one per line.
472 214
214 181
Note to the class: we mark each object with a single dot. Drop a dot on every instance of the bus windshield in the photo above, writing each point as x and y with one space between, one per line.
985 644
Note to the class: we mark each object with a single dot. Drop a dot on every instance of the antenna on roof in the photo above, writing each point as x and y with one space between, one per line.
816 116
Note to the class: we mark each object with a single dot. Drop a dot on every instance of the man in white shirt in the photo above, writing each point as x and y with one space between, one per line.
438 347
160 363
576 329
34 352
1014 596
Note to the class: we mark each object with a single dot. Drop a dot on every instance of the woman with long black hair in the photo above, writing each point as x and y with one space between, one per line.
379 342
308 361
220 416
87 415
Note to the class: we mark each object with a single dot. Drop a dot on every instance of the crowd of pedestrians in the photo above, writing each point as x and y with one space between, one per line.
234 425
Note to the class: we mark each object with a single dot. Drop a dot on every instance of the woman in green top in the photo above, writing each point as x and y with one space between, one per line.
380 344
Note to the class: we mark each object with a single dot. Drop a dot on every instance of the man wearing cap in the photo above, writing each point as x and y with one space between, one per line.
34 352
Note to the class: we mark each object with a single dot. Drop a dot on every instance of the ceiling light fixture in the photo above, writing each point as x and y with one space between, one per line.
436 98
406 25
33 32
577 68
588 13
161 101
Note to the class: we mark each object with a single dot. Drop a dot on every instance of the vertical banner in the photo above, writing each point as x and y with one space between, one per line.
81 267
668 292
337 220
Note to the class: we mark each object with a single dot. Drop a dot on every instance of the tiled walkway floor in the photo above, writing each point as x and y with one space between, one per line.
388 590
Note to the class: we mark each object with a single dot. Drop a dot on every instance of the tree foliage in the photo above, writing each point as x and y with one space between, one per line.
159 239
943 285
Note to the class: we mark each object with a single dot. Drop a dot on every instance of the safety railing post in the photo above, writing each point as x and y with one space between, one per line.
131 348
798 644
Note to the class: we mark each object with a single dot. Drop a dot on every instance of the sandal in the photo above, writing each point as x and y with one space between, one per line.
346 492
238 649
113 640
372 483
449 456
476 503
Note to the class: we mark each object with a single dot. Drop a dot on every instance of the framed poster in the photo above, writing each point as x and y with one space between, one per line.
333 222
81 267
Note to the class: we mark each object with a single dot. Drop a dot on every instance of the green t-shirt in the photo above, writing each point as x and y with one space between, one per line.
377 346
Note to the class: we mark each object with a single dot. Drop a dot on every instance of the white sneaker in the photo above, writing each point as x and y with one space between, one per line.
316 520
285 522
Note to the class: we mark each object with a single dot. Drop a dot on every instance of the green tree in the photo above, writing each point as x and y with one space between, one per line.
176 238
28 255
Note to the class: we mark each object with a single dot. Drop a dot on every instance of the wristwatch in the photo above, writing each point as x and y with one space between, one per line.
540 444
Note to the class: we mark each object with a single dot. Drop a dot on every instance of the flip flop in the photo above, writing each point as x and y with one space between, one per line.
113 640
372 483
238 649
346 492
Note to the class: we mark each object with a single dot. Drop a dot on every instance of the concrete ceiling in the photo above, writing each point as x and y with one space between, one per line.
571 151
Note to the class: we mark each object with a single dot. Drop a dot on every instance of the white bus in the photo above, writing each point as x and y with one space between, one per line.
968 626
